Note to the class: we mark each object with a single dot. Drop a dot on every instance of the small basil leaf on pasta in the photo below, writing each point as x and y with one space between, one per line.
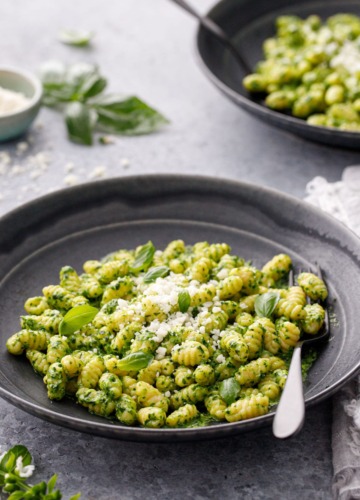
156 272
76 318
265 304
184 301
143 257
135 361
229 390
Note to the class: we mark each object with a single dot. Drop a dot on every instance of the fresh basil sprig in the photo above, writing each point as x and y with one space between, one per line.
76 318
229 390
156 272
83 84
143 257
15 467
135 361
77 38
184 301
265 304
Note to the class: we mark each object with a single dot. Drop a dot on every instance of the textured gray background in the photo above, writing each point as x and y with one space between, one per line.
147 47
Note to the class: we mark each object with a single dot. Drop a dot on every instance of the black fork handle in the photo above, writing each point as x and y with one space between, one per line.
215 29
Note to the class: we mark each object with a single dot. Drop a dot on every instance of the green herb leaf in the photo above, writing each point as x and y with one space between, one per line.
143 257
75 497
156 272
79 123
76 318
184 301
17 495
265 304
78 38
51 483
8 461
229 390
135 361
126 115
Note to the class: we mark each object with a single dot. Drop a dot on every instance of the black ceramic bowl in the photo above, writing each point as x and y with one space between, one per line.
248 23
92 220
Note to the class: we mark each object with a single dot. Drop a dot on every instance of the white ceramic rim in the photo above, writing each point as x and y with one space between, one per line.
34 81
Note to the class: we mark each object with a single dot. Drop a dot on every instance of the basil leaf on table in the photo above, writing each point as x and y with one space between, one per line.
76 318
143 257
79 123
184 301
8 461
265 304
156 272
229 390
77 38
126 115
135 361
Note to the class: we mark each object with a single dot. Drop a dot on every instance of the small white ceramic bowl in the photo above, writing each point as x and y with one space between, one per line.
14 124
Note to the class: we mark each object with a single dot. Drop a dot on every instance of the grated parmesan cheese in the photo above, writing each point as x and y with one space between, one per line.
12 102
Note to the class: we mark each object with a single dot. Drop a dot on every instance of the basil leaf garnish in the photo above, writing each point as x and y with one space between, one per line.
126 115
143 257
78 38
79 123
8 462
184 301
76 318
229 390
135 361
156 272
265 304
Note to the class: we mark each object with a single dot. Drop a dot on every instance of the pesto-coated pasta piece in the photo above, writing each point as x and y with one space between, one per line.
55 381
49 320
151 417
292 306
165 383
280 377
269 387
213 321
205 293
231 308
173 250
144 341
313 286
36 305
124 336
193 393
58 347
250 277
271 337
92 266
69 279
117 289
215 405
150 373
254 336
60 298
289 334
216 251
233 342
251 373
184 376
253 406
314 320
125 410
247 303
182 415
226 368
97 402
200 270
228 287
111 385
90 288
278 267
129 385
72 365
91 372
38 361
167 366
27 339
244 319
204 375
112 270
147 395
190 353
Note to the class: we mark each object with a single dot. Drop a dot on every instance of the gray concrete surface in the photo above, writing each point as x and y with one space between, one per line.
147 47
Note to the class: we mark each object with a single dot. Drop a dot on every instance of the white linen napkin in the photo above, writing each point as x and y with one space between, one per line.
342 200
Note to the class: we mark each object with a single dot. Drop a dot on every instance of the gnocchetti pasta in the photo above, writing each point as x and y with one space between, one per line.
187 335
